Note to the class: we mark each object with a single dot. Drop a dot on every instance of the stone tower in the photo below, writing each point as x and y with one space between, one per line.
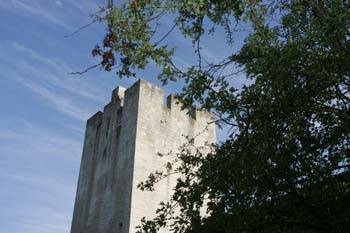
120 151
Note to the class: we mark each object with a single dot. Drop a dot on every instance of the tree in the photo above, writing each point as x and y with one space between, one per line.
284 166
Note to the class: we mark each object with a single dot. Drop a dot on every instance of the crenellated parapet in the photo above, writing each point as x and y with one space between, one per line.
156 96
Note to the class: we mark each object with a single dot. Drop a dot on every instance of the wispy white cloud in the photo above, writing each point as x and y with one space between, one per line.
36 9
40 220
53 203
59 3
62 103
41 201
87 6
58 75
40 155
37 226
67 14
51 190
210 55
74 128
54 63
47 77
39 141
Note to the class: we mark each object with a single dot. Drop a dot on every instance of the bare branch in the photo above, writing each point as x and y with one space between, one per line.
80 29
86 70
165 36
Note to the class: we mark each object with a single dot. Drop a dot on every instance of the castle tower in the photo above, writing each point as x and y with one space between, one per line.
120 151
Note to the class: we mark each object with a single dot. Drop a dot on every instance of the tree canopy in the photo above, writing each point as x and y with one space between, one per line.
284 165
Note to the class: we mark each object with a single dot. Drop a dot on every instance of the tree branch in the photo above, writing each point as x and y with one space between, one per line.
86 70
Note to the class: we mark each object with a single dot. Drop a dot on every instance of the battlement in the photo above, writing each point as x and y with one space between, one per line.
171 104
118 94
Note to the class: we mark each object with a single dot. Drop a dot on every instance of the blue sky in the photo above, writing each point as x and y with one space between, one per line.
44 109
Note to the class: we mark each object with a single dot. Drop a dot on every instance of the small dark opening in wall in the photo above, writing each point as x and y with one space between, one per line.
120 224
108 125
104 155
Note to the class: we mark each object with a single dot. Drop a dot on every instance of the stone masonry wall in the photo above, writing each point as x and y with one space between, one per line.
120 151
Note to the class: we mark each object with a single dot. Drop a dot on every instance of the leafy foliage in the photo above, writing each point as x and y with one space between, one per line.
284 166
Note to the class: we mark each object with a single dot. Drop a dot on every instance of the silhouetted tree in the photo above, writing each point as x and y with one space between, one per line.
284 165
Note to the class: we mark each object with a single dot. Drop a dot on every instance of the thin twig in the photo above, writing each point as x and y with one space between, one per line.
165 36
198 46
86 70
81 28
156 16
